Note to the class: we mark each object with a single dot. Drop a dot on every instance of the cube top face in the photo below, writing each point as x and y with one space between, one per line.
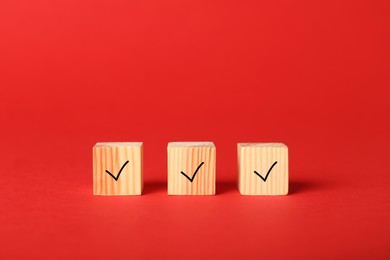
118 168
191 168
263 168
262 145
191 144
118 144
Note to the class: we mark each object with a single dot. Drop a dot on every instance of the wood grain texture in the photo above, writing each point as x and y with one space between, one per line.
260 157
111 157
186 157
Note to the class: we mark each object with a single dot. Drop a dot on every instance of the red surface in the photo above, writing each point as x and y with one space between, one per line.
311 74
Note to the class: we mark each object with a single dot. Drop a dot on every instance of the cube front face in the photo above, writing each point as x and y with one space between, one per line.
118 168
263 168
191 168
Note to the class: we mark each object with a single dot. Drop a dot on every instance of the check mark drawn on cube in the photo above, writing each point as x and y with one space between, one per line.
269 171
117 177
193 176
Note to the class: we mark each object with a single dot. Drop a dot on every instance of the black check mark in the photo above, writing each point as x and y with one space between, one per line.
117 177
269 171
193 176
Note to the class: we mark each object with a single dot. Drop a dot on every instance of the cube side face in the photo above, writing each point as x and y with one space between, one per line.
113 159
239 165
263 159
187 160
141 169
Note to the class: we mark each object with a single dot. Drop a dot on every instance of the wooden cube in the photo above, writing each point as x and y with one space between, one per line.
191 168
117 168
262 168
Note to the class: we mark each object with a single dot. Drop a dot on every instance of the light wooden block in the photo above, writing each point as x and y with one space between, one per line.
188 158
271 158
125 158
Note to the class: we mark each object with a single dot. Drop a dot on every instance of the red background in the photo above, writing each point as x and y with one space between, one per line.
311 74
